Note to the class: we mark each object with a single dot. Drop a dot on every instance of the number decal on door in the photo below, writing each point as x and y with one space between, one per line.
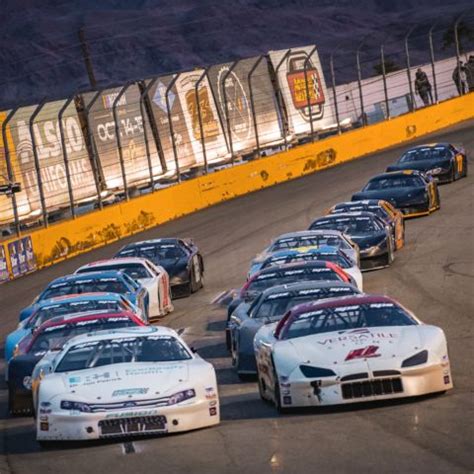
459 162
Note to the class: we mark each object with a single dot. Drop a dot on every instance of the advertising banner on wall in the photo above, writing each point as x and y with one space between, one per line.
291 80
132 137
14 254
4 276
50 157
239 108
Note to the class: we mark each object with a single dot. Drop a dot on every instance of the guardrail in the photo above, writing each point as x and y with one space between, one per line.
65 239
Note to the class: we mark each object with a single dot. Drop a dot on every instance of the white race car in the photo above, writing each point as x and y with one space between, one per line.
153 277
347 350
125 382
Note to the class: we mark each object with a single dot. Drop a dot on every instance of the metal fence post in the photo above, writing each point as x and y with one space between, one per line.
407 54
359 82
252 103
143 94
333 80
93 151
201 128
226 109
65 155
384 78
432 58
170 124
284 118
37 164
458 51
10 171
308 98
119 138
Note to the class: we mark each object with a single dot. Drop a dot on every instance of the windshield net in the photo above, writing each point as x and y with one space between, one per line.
347 317
123 350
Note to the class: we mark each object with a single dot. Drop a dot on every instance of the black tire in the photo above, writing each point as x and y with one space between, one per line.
261 391
452 178
390 254
276 392
46 444
17 407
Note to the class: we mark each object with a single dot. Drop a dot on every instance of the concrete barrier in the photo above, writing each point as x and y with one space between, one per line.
69 238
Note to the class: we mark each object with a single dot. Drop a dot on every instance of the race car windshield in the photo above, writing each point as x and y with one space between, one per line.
133 270
127 350
316 274
55 337
390 182
102 285
377 210
276 305
346 317
426 153
350 225
309 241
60 309
155 252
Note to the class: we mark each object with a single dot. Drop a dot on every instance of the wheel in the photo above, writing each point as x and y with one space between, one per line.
276 391
452 178
261 390
390 256
43 444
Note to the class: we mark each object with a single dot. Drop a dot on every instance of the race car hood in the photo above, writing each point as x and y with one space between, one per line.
123 381
421 165
174 266
396 196
356 349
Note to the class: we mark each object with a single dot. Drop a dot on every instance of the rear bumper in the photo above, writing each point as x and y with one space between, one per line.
305 392
374 263
64 425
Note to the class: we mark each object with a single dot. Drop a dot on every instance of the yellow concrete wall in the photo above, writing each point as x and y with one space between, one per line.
68 238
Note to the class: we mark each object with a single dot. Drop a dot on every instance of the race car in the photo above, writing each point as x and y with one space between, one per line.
412 192
325 253
110 281
353 349
154 278
70 304
284 274
130 382
383 209
50 336
308 238
269 307
445 162
373 236
179 257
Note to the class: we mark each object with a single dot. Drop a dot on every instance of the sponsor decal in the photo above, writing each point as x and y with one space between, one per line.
358 338
363 353
159 97
93 379
446 379
127 414
44 426
152 370
129 391
13 251
213 403
213 411
3 265
210 393
287 400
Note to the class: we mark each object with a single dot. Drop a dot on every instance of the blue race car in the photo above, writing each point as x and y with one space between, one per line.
443 161
109 281
179 257
412 192
69 304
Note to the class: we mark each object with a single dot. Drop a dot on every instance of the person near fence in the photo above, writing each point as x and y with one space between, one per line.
469 70
460 78
423 87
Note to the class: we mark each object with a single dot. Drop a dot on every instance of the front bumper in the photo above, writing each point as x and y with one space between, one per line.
415 210
305 392
64 425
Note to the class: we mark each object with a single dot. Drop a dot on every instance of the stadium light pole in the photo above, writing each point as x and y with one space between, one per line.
65 154
10 172
199 111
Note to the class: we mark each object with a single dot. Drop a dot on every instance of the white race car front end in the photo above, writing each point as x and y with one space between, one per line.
127 400
361 365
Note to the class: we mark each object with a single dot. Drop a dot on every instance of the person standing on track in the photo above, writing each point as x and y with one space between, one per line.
460 78
469 71
423 87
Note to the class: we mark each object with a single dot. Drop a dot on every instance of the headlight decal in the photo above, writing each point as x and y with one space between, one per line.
417 359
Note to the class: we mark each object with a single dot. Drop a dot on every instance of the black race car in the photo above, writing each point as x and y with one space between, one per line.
370 232
443 161
179 257
412 192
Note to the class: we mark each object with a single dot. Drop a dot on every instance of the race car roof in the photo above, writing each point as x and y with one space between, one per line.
122 333
79 297
345 301
362 202
428 145
87 276
113 261
308 233
168 240
307 285
341 215
313 250
397 173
